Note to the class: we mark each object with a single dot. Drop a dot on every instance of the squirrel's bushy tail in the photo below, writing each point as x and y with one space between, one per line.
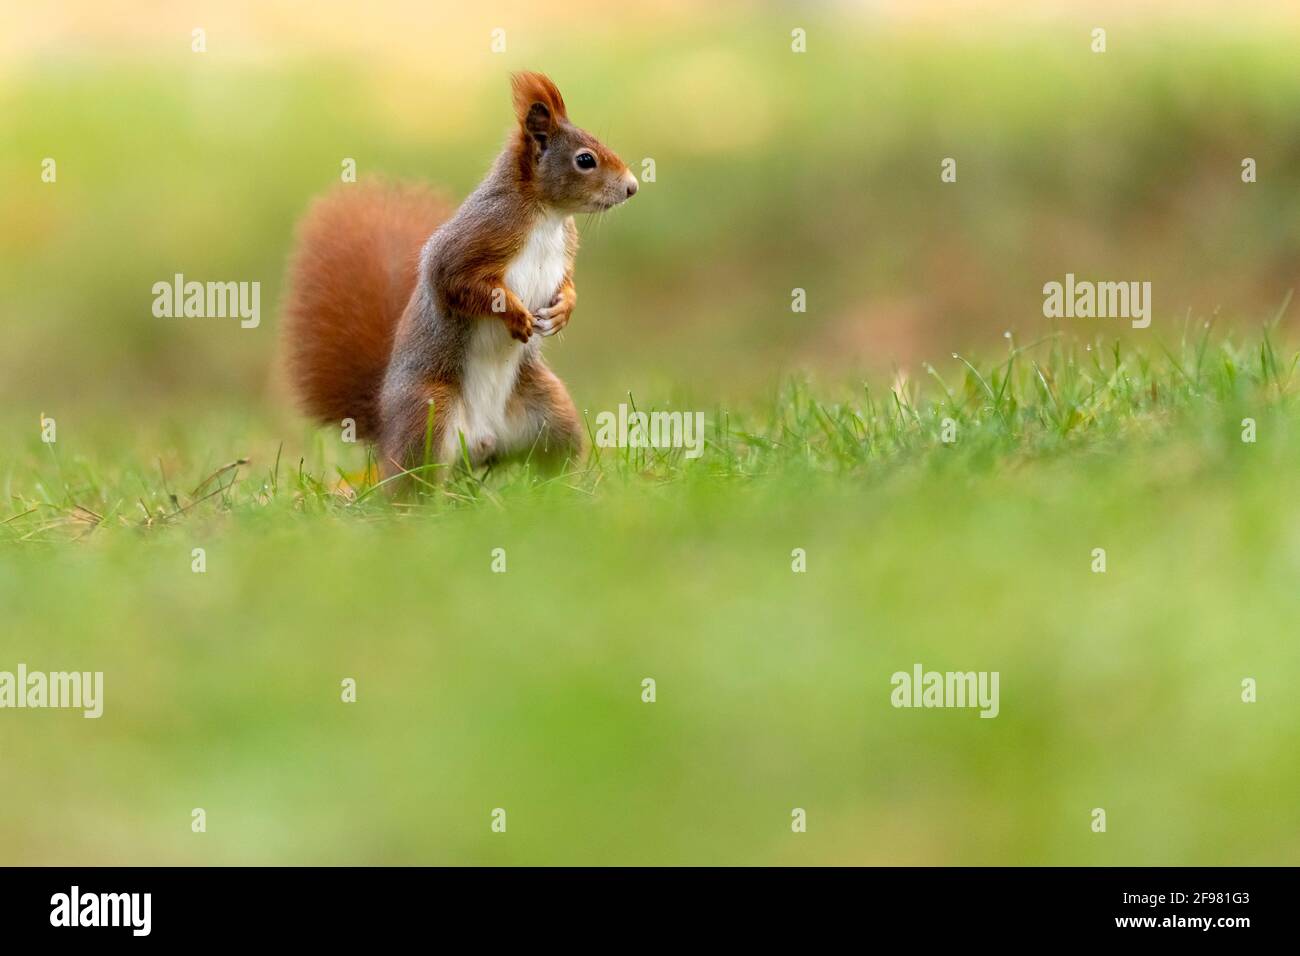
349 280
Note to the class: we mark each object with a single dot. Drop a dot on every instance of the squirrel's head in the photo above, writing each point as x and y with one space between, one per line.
568 168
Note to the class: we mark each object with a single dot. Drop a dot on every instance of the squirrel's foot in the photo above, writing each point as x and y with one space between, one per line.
485 448
554 317
520 326
481 448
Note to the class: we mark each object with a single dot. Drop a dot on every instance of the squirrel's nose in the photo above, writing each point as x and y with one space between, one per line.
632 187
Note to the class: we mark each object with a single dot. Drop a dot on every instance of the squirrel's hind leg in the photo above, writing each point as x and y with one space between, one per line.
542 424
415 428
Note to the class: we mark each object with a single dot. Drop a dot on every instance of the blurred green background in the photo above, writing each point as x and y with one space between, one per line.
774 171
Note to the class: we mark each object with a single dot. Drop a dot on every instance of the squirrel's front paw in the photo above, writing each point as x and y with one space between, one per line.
554 317
520 325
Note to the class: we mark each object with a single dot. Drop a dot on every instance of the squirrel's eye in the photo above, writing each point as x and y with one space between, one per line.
585 160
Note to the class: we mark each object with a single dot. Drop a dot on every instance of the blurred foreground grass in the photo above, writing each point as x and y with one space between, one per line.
522 690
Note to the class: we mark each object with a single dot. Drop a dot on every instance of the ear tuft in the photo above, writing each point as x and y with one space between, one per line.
531 89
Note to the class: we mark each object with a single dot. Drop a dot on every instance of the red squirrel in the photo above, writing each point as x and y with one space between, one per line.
397 313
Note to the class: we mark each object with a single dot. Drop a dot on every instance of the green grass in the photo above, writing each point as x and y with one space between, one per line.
522 690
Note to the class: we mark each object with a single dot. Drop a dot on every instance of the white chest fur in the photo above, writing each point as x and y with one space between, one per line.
493 357
536 272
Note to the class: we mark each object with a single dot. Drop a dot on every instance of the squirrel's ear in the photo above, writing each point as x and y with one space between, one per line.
538 105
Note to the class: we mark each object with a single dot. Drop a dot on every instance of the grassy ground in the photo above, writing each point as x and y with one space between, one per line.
522 690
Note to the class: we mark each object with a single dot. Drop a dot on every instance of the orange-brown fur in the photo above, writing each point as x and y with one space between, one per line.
349 281
377 325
